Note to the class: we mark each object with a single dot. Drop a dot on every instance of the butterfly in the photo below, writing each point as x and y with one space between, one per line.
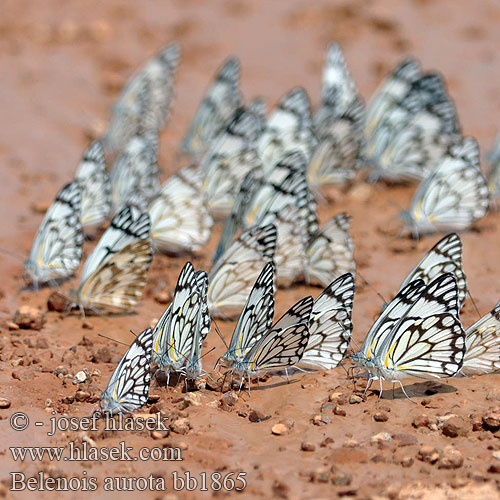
482 345
230 157
330 252
234 272
95 184
337 156
453 197
180 221
185 322
444 257
57 248
428 341
221 101
149 92
338 93
128 387
288 127
494 172
255 319
330 326
114 274
135 177
390 92
281 347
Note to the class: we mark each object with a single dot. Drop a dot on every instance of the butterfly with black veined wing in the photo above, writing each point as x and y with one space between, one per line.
230 157
156 78
255 319
281 347
428 341
95 184
220 102
452 197
494 171
444 257
114 275
482 341
135 177
330 326
57 248
128 387
330 252
180 221
234 272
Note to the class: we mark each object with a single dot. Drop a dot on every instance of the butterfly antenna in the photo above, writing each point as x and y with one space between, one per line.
372 287
208 352
220 334
474 303
112 339
133 333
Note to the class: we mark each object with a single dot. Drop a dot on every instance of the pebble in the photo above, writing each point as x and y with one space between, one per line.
228 400
163 296
159 434
407 461
428 454
12 326
338 398
180 426
80 377
340 477
40 207
405 439
57 302
4 403
380 437
30 318
350 443
355 399
82 396
491 420
307 446
279 429
495 454
380 416
451 458
421 421
257 416
455 427
213 404
190 399
87 325
101 355
321 475
338 410
42 343
493 395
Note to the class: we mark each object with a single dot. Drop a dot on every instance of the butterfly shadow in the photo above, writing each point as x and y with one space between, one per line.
418 390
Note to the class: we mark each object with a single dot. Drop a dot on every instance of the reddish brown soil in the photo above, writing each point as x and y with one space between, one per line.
62 66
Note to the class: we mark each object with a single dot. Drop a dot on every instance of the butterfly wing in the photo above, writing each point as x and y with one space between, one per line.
128 387
330 325
57 248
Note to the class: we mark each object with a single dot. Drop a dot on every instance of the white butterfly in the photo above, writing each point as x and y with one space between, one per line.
57 248
483 344
390 92
128 387
135 177
289 123
330 252
454 196
337 157
281 347
114 274
338 93
149 92
95 184
255 319
428 341
230 157
494 172
180 221
221 101
330 326
234 272
444 257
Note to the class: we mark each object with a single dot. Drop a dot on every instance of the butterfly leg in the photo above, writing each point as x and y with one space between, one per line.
249 383
368 384
404 392
381 389
286 374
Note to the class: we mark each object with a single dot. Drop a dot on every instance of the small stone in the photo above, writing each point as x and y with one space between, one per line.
380 416
40 207
451 458
455 427
228 400
257 416
350 443
340 477
190 399
87 325
307 446
338 410
380 437
361 193
180 426
4 403
428 454
102 355
213 404
16 375
477 423
279 429
491 420
405 439
95 130
12 326
163 296
321 475
493 395
407 461
280 489
355 399
494 468
57 302
82 396
338 398
421 421
42 343
30 318
496 455
86 342
159 434
80 377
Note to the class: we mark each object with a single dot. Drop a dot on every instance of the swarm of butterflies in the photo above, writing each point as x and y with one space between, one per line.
262 174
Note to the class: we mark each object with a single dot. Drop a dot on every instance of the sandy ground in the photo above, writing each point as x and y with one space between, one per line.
62 64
